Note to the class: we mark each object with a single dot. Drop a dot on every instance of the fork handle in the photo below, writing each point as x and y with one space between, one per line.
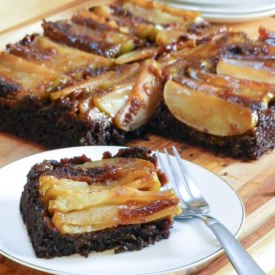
239 258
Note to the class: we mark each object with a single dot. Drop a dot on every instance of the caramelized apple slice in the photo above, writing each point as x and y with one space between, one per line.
144 99
52 188
87 85
131 172
75 229
146 182
94 218
63 188
32 79
126 24
261 92
203 110
112 102
59 57
108 43
99 217
202 53
116 195
140 180
196 31
252 70
103 81
117 91
136 55
46 182
71 58
166 37
159 13
125 75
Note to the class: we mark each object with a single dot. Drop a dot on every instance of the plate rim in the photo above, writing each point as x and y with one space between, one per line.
225 9
228 17
197 263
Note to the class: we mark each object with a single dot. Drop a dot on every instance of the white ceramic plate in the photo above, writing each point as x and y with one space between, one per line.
236 12
230 10
222 3
240 17
189 245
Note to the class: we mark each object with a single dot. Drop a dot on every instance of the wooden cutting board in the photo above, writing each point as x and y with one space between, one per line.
253 181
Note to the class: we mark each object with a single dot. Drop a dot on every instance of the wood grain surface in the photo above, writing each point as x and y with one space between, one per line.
254 181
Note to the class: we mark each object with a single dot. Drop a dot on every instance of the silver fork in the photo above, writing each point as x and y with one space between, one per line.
195 206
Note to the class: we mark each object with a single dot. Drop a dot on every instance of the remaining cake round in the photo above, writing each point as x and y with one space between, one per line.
117 71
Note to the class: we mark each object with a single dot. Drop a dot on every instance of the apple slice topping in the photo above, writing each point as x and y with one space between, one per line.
122 191
203 108
144 98
129 95
113 101
259 71
136 55
106 216
88 85
250 89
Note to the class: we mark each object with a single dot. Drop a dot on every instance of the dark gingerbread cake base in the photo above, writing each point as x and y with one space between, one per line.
56 125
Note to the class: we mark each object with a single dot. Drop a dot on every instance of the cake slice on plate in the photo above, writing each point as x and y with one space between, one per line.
78 205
